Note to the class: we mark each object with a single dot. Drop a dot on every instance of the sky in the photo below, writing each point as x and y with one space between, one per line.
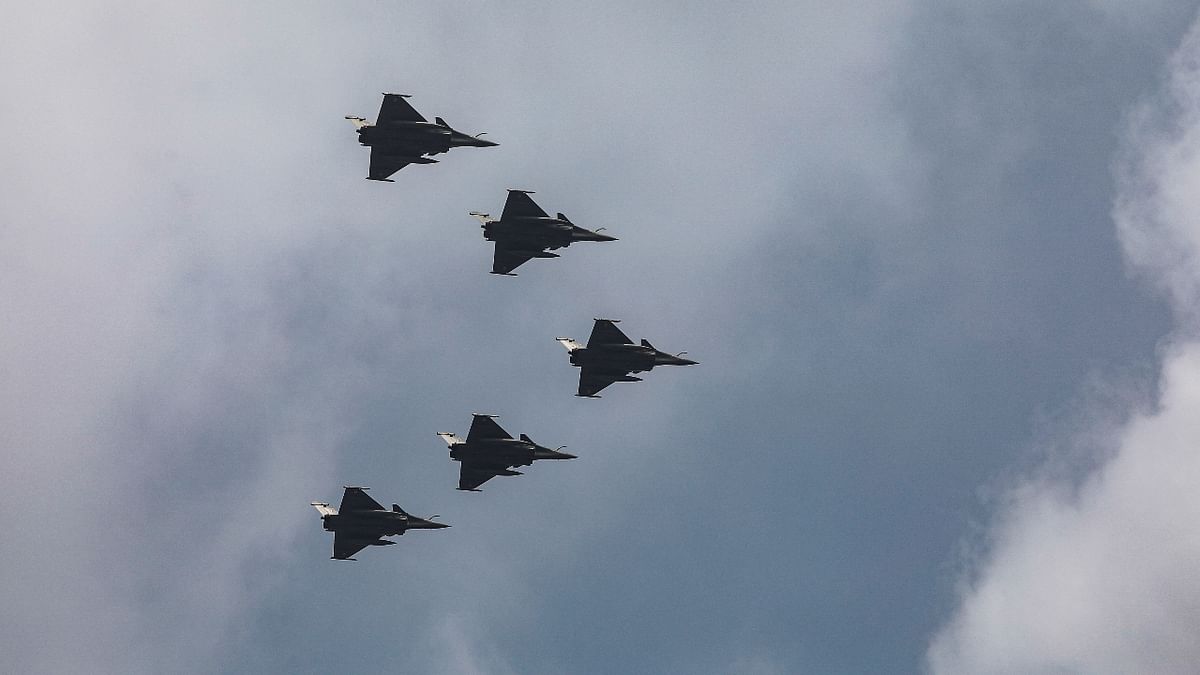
939 262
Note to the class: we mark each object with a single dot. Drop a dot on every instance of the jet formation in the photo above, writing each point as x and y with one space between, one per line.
525 231
610 356
490 451
399 137
360 522
402 136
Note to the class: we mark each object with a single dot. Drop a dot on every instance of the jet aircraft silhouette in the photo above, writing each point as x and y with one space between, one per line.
610 356
401 136
490 451
361 522
525 231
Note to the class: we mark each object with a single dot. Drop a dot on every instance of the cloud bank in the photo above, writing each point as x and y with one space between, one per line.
205 305
1104 576
210 319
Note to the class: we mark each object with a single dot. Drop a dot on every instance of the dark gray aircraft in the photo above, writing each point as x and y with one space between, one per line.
489 451
361 522
401 136
525 231
610 356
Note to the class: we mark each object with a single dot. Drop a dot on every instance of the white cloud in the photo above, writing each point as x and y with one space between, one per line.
135 540
1105 577
1102 579
1156 211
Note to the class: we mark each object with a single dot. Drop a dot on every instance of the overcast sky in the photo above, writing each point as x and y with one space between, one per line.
939 262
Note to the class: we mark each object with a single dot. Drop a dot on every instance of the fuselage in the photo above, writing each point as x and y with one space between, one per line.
542 232
379 523
405 133
631 358
507 451
419 137
551 232
376 523
504 451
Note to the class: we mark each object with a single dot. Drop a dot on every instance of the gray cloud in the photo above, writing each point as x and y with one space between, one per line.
217 320
207 304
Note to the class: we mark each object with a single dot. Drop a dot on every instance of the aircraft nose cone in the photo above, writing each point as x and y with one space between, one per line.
425 524
484 143
605 237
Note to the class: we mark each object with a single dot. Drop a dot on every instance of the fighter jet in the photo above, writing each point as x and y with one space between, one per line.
361 522
490 451
525 231
610 356
401 136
